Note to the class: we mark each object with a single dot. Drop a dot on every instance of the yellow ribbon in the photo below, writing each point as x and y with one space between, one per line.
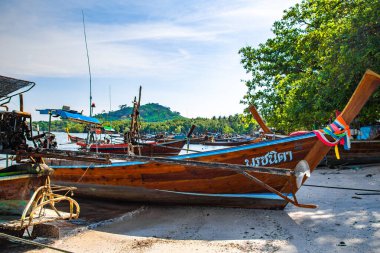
337 152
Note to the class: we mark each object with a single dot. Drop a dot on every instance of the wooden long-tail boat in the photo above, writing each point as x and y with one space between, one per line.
24 188
144 148
159 148
75 139
25 192
230 142
227 177
17 184
227 142
361 152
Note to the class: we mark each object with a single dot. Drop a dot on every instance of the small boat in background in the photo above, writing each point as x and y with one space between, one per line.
361 152
75 139
230 142
144 148
131 143
365 149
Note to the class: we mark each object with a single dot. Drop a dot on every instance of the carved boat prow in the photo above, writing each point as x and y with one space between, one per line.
367 86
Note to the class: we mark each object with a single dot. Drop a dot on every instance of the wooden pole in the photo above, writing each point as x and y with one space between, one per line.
88 62
259 120
48 137
21 103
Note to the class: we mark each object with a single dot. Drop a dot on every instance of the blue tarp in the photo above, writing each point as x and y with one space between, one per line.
364 133
70 115
369 132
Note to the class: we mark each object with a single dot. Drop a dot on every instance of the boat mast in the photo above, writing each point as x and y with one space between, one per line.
134 117
109 90
109 112
88 62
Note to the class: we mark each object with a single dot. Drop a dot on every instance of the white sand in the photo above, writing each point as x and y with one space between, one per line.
343 222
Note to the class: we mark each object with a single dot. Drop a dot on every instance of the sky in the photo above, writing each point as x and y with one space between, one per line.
184 54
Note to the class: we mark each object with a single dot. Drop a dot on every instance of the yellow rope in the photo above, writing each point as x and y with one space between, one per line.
84 173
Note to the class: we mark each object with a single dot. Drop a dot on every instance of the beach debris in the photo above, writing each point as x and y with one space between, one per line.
341 244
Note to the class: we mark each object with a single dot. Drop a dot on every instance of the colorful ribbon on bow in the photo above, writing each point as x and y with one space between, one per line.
339 131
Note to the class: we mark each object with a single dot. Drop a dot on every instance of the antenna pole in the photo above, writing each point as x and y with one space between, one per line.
109 89
110 95
88 62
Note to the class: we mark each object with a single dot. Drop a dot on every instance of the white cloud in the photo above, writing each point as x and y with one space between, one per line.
180 53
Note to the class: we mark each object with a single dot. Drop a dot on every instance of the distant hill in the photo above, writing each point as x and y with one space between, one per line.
151 112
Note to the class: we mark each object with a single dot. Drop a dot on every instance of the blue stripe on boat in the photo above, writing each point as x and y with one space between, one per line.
96 166
238 195
201 154
244 147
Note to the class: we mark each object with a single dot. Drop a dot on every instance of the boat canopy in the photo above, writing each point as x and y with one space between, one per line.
71 115
109 129
9 86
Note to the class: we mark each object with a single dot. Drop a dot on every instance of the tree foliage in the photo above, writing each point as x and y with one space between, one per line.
319 52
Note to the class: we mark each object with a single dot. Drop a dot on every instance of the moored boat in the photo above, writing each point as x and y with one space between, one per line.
237 176
144 148
75 139
25 188
17 185
230 142
361 152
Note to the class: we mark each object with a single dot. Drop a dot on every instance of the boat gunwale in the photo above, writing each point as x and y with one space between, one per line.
14 177
193 155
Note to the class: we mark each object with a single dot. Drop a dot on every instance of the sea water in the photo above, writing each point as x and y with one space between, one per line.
65 144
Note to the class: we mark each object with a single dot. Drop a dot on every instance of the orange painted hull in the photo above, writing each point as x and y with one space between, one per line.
173 183
15 191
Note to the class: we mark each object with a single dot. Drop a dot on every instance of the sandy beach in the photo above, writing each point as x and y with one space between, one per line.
345 221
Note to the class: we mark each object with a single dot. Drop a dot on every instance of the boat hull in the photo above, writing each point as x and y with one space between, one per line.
175 183
75 139
161 197
361 152
15 192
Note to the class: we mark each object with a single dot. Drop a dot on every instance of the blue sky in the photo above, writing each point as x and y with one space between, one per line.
183 53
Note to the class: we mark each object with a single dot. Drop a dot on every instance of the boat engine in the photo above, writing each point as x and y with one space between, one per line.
14 131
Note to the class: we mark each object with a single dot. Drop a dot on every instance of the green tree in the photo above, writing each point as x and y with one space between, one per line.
310 68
